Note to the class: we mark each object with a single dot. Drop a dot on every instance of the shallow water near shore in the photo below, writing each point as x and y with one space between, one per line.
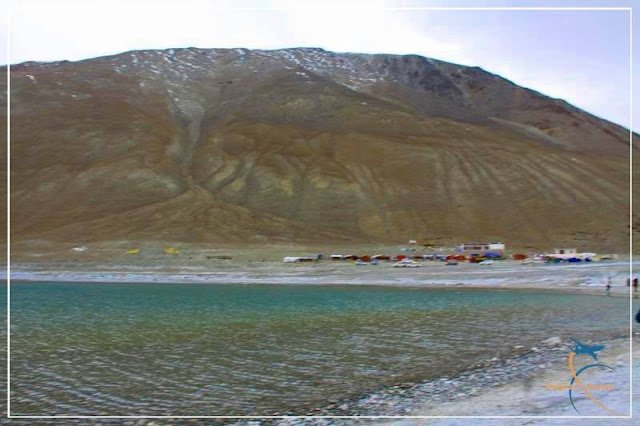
181 349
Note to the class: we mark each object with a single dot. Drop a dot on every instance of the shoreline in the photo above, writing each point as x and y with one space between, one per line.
483 385
508 276
452 287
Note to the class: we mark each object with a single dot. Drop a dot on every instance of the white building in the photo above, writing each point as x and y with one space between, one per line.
569 253
480 247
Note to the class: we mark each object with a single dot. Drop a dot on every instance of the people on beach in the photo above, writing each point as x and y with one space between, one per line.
609 286
635 286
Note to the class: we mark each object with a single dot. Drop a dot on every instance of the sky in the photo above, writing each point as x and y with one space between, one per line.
581 56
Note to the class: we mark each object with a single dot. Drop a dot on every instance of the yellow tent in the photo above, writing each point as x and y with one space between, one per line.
133 251
171 250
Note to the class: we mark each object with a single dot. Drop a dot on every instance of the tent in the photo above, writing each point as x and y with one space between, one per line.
381 257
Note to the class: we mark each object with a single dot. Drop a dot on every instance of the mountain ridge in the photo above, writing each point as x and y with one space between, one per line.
305 144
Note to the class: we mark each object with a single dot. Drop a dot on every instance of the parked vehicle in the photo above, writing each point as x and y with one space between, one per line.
406 263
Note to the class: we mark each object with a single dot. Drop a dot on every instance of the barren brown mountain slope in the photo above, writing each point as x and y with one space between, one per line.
305 145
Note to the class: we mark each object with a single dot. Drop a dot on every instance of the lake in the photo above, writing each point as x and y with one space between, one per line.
194 349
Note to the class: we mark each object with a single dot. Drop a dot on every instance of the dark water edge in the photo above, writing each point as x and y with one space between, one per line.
315 315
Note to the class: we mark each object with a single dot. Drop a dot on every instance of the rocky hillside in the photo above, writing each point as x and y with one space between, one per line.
305 145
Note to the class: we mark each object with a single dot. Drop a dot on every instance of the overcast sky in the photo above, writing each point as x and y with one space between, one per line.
580 56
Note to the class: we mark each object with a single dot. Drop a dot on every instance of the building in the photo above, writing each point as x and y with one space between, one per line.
481 247
569 253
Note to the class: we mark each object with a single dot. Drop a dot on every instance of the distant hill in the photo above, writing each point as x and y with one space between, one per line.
305 145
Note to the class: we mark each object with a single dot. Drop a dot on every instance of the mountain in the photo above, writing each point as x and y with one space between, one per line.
305 145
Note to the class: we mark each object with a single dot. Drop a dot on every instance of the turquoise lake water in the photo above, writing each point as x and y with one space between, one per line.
181 349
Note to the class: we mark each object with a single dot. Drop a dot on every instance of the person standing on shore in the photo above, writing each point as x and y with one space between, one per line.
635 287
608 286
